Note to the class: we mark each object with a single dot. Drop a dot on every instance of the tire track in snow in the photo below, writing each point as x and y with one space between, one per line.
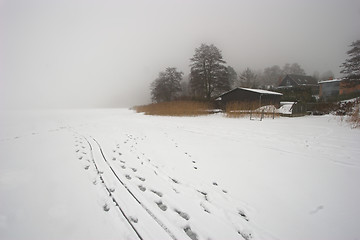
109 191
162 225
106 187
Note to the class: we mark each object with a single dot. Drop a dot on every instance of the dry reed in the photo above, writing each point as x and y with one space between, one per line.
354 118
176 108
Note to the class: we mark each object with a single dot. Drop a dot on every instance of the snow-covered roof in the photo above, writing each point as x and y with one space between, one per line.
330 81
218 98
261 91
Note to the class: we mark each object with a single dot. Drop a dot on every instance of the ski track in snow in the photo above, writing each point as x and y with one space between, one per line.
128 172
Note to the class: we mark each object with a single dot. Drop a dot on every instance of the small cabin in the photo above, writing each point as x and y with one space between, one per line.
248 95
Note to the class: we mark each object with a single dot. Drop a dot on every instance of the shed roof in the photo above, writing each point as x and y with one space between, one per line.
259 91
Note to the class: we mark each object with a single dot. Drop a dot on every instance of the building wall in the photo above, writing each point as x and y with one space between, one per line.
329 89
348 87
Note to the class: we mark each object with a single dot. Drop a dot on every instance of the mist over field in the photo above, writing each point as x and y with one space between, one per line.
84 54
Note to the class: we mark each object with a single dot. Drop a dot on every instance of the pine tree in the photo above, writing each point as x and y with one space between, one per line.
208 75
167 86
351 66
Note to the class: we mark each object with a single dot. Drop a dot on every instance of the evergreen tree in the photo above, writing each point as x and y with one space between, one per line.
351 66
208 74
167 86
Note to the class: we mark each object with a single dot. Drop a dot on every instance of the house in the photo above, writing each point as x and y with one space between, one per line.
301 82
329 88
338 87
292 80
248 95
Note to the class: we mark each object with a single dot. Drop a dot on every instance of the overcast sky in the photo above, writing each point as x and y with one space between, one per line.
105 53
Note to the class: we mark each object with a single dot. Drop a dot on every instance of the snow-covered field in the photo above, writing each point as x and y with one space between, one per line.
115 174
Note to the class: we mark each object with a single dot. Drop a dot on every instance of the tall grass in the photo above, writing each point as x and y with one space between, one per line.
176 108
354 118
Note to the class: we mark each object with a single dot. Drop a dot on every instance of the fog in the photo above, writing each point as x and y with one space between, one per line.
92 53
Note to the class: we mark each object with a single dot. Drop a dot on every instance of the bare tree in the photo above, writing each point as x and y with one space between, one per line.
272 75
167 86
294 68
248 78
208 74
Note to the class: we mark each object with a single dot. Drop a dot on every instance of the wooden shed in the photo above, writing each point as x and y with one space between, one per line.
248 95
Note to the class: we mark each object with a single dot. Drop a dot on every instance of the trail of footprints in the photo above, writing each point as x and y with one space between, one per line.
142 187
82 151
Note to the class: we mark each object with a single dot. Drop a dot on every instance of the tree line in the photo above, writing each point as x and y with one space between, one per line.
210 75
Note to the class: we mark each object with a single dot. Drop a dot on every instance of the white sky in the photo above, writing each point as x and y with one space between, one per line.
92 53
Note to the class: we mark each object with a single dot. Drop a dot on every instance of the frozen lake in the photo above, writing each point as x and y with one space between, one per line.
116 174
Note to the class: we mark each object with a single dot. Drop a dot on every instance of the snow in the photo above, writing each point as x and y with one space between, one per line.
262 91
116 174
286 108
330 81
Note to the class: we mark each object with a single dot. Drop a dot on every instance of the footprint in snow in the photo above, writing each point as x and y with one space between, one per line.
142 188
182 214
86 167
134 169
106 207
157 193
133 219
174 180
141 179
242 214
161 205
128 176
190 233
319 208
245 234
205 208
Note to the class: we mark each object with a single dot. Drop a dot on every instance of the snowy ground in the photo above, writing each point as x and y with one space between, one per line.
115 174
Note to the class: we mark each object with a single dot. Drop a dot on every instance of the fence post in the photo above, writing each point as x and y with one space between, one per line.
262 114
250 114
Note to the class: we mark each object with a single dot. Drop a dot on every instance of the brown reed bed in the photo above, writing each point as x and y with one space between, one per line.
176 108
